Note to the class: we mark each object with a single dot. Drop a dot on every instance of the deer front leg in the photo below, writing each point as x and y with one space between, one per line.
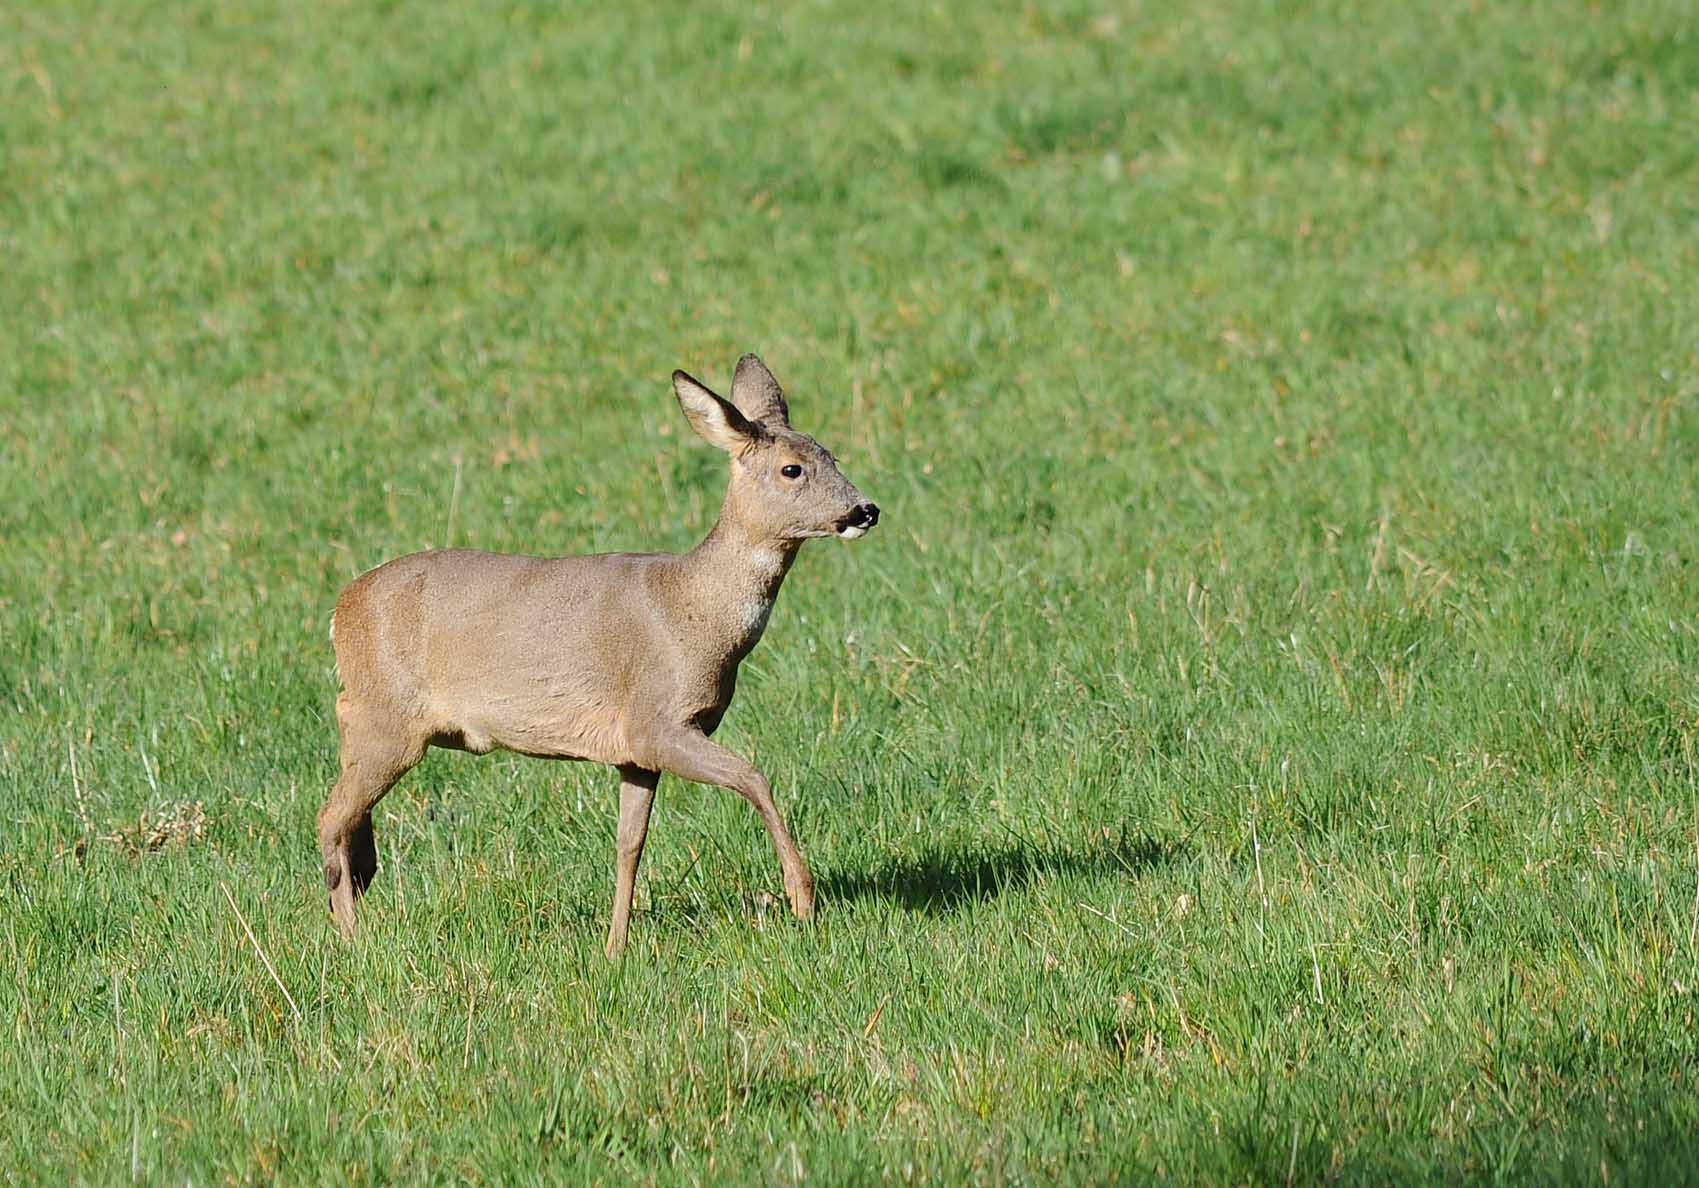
636 798
692 755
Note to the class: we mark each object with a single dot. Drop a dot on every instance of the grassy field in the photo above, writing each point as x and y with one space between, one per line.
1259 745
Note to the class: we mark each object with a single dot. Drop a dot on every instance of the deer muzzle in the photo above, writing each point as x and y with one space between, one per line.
859 520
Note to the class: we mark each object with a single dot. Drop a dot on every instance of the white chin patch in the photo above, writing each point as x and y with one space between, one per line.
852 533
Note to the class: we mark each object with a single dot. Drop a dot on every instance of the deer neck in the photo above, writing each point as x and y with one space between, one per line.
740 569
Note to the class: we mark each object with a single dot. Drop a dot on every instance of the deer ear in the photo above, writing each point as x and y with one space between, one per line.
757 394
715 421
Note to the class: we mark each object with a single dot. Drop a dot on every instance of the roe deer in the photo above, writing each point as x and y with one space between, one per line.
628 659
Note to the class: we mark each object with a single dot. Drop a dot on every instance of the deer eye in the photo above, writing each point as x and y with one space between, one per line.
791 471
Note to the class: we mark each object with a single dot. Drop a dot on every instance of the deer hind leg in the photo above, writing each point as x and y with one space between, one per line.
374 757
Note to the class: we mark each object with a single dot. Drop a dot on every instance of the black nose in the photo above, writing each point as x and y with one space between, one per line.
866 515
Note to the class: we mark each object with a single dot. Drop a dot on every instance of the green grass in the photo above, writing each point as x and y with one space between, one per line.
1260 743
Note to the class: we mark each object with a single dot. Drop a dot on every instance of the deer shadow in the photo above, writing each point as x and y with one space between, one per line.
944 878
